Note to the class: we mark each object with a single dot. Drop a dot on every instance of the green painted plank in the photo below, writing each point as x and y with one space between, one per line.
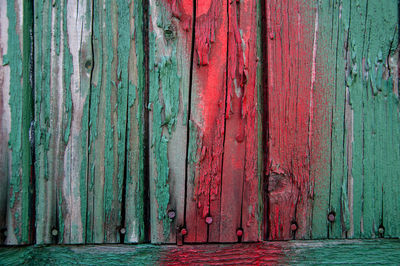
16 111
338 168
381 252
108 114
365 125
169 68
62 75
135 220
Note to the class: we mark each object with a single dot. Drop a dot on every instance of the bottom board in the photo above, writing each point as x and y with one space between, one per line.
382 251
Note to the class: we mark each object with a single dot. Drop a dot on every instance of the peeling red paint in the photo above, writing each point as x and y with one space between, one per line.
291 78
254 254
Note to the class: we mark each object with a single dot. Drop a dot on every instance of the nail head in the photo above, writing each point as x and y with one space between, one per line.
122 230
171 214
209 220
184 231
239 232
293 226
331 217
54 232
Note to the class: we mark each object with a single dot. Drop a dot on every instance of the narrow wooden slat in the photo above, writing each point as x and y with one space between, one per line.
135 157
292 44
208 121
327 58
16 115
239 194
170 43
253 110
108 120
5 120
62 73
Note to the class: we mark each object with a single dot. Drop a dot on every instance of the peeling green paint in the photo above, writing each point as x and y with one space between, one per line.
20 102
109 143
134 216
164 99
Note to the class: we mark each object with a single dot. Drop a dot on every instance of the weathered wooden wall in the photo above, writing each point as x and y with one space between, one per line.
333 119
198 121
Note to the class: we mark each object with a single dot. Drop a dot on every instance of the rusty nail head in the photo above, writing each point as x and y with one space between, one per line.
171 214
239 232
122 230
293 226
209 220
331 217
184 231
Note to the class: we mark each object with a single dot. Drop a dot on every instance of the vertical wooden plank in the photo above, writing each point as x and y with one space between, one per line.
63 60
16 117
381 122
292 43
338 151
5 120
365 123
254 108
328 57
108 120
135 157
170 43
208 121
239 190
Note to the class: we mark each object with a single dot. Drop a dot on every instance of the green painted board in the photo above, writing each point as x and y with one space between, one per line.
16 113
136 211
358 43
63 56
170 44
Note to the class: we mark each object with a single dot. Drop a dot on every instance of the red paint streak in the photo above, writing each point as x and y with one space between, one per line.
291 39
183 10
225 83
208 115
245 254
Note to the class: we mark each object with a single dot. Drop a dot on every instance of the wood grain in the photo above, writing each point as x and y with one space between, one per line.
269 253
108 120
329 125
136 146
62 75
208 121
170 43
16 115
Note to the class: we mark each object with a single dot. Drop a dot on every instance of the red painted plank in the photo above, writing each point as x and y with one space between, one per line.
240 148
291 77
207 117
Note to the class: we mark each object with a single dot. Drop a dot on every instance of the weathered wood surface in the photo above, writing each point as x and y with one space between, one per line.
198 121
111 88
136 183
353 252
223 173
16 184
170 44
333 119
85 91
63 56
